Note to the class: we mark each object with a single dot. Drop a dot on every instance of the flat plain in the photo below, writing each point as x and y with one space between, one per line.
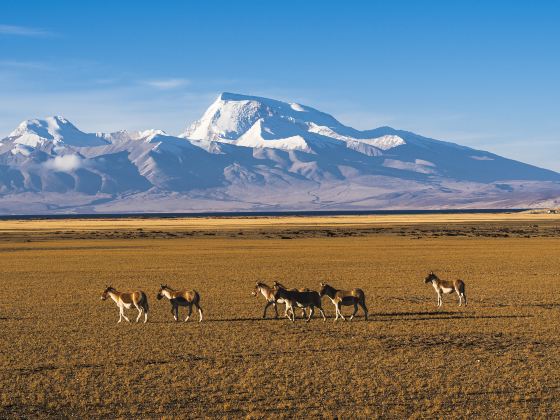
63 354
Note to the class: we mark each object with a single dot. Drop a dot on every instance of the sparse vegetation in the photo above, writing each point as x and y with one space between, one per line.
62 353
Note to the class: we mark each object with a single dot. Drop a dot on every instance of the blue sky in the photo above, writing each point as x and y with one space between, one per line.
481 73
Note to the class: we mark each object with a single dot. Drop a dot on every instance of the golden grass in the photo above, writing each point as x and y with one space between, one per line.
250 222
62 353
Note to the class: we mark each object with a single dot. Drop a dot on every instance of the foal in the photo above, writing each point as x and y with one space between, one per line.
181 298
345 297
127 300
446 287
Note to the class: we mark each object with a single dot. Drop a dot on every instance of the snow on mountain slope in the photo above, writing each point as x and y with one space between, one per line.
251 153
56 130
232 114
256 122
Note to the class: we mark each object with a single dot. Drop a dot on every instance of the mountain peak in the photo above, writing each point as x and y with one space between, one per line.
255 121
55 129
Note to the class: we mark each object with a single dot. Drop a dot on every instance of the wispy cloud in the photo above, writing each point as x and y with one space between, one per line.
23 31
27 65
166 84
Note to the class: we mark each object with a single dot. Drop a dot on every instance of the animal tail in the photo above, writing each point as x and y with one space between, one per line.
145 302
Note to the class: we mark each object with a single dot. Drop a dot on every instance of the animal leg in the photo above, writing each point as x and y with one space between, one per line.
123 315
145 316
288 311
293 312
355 311
460 298
275 305
120 316
322 313
363 305
199 313
303 313
266 307
339 308
190 312
311 312
140 310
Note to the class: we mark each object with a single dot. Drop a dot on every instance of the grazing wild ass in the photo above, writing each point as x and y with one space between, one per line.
181 298
268 293
126 300
295 298
446 287
341 298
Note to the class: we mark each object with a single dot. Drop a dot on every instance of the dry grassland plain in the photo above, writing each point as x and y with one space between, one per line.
63 354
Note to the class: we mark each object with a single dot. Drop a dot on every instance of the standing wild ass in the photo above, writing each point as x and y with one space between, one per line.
127 300
341 298
181 298
446 287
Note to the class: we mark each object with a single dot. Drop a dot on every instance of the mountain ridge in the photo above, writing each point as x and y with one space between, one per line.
250 153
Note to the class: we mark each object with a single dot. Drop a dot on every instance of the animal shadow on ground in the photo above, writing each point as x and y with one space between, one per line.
435 316
280 318
12 318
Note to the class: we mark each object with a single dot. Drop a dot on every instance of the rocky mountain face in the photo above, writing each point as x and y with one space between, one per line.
250 153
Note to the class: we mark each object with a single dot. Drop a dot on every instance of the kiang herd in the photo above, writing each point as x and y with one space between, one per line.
304 299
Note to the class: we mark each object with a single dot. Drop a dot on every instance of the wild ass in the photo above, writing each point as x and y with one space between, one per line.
341 298
181 298
301 299
268 293
127 300
446 287
277 284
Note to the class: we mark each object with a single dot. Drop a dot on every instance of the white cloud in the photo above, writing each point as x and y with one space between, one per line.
167 83
66 163
23 31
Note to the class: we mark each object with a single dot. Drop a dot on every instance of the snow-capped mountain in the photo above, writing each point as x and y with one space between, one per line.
251 153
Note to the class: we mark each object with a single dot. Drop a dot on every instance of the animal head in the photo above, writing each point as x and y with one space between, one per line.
255 291
323 289
162 287
430 277
106 292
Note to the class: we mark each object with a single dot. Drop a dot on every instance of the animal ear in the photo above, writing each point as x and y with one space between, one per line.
322 284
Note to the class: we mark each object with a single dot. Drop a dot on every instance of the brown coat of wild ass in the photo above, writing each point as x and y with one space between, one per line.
299 299
181 298
341 298
127 300
269 294
446 287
